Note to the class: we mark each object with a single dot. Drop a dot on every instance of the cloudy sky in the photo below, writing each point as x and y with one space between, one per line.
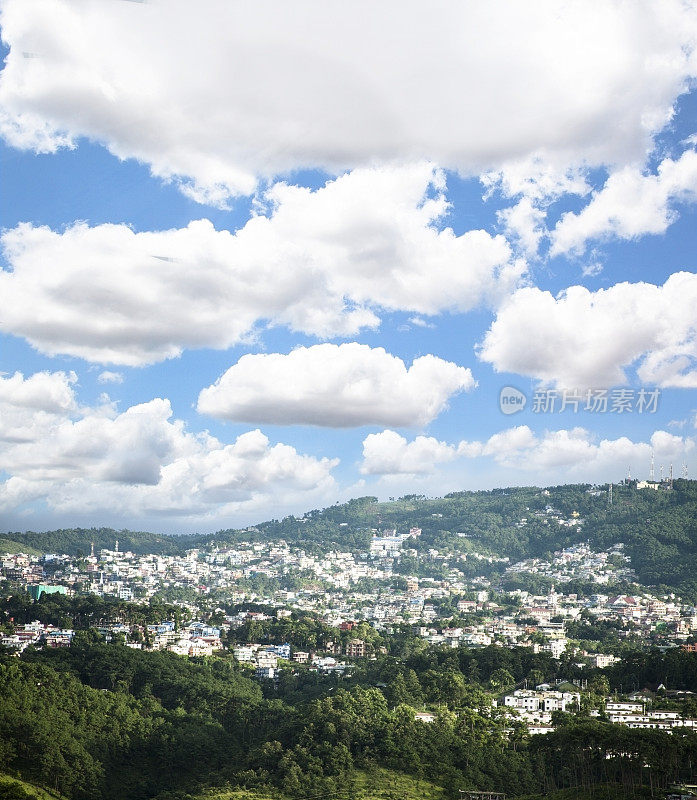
262 257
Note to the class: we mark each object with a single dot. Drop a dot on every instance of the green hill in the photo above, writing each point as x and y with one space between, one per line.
658 528
77 541
15 789
10 546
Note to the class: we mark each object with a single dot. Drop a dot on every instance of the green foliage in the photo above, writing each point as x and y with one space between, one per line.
589 753
83 611
676 669
10 546
105 721
97 721
76 541
201 685
14 789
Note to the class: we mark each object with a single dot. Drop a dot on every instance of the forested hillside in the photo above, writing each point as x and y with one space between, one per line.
77 541
100 720
658 528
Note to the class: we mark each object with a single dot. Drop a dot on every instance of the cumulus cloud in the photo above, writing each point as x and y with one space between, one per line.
322 262
51 392
540 177
138 462
30 406
270 87
630 204
334 385
584 339
388 453
578 453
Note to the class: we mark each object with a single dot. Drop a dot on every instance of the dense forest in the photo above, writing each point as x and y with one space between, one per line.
99 720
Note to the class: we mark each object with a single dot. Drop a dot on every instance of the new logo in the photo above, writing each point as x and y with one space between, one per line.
511 400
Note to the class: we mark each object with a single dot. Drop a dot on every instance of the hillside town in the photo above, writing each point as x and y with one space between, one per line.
371 587
229 597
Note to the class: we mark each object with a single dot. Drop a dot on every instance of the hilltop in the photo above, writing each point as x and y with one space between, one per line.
658 528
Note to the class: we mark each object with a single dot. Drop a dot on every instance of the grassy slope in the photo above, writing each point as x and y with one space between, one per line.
10 546
7 784
378 784
383 784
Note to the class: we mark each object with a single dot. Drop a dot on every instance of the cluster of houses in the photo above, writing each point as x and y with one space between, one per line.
634 714
35 633
365 586
194 639
265 659
580 562
534 707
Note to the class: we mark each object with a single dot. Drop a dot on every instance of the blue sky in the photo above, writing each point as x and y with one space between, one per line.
301 264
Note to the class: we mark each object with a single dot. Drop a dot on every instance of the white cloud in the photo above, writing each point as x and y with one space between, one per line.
107 376
536 181
539 177
571 454
51 392
524 223
584 339
269 87
140 462
631 204
323 262
30 406
334 385
578 451
420 322
388 453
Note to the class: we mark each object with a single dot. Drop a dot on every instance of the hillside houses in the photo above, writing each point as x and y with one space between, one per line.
338 585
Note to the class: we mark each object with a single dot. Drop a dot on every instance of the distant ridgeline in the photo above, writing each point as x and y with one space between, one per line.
77 541
658 528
